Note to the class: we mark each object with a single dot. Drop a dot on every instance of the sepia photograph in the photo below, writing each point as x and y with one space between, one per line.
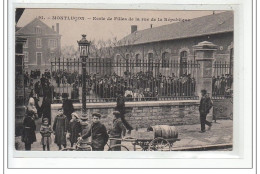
123 80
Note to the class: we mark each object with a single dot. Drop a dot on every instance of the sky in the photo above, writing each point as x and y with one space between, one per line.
103 24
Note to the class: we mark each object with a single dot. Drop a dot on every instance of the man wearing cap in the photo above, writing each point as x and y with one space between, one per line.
204 108
98 133
117 131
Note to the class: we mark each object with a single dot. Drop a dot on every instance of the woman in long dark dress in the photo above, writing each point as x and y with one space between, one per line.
68 108
29 127
46 109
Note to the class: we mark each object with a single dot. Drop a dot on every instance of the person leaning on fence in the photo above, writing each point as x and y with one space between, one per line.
117 132
204 108
46 131
98 133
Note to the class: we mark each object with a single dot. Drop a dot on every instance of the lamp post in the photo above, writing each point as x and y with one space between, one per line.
84 51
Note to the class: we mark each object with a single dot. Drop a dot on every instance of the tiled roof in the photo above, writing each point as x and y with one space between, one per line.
29 28
211 24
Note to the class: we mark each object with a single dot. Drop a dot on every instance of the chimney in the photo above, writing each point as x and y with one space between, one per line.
133 28
57 28
53 28
151 25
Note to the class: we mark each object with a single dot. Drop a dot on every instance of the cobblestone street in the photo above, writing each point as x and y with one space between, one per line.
189 135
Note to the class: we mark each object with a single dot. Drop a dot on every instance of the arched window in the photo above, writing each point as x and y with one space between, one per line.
137 60
118 60
150 61
183 63
165 59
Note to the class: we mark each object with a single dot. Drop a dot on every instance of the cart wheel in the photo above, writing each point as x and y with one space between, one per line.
159 144
88 148
118 147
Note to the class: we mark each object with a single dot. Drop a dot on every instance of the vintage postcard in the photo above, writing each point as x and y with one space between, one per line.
123 80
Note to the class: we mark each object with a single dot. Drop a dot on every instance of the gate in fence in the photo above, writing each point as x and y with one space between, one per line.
139 80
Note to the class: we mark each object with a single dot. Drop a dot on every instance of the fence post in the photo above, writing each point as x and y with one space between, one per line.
204 53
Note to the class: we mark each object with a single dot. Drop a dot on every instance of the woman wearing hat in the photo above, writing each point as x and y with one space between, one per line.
74 128
31 107
117 131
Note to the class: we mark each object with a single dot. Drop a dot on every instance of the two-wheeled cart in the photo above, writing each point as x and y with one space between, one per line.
156 138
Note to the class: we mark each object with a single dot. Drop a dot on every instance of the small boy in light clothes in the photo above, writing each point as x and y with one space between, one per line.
46 131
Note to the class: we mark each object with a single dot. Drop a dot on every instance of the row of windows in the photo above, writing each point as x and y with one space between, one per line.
38 54
38 57
165 58
52 43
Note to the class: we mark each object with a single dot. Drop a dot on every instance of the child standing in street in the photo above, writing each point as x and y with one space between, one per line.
46 131
60 127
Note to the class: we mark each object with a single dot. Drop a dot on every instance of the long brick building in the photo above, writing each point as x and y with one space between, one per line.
174 42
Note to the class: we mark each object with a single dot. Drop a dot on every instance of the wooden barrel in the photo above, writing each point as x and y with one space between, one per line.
165 131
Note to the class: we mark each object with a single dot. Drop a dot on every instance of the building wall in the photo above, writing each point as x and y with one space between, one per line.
45 50
174 48
144 114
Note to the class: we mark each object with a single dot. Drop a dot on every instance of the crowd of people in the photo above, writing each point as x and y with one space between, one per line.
141 86
222 86
131 87
135 86
66 77
144 86
67 125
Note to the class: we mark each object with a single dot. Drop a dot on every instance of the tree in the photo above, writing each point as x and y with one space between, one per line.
69 52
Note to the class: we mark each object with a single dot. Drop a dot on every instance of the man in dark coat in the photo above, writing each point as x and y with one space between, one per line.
29 127
67 107
120 106
204 108
98 132
37 89
60 127
46 109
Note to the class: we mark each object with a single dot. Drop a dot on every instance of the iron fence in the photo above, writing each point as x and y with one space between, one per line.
138 80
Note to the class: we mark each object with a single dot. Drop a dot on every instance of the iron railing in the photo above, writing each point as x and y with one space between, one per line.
222 81
139 80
